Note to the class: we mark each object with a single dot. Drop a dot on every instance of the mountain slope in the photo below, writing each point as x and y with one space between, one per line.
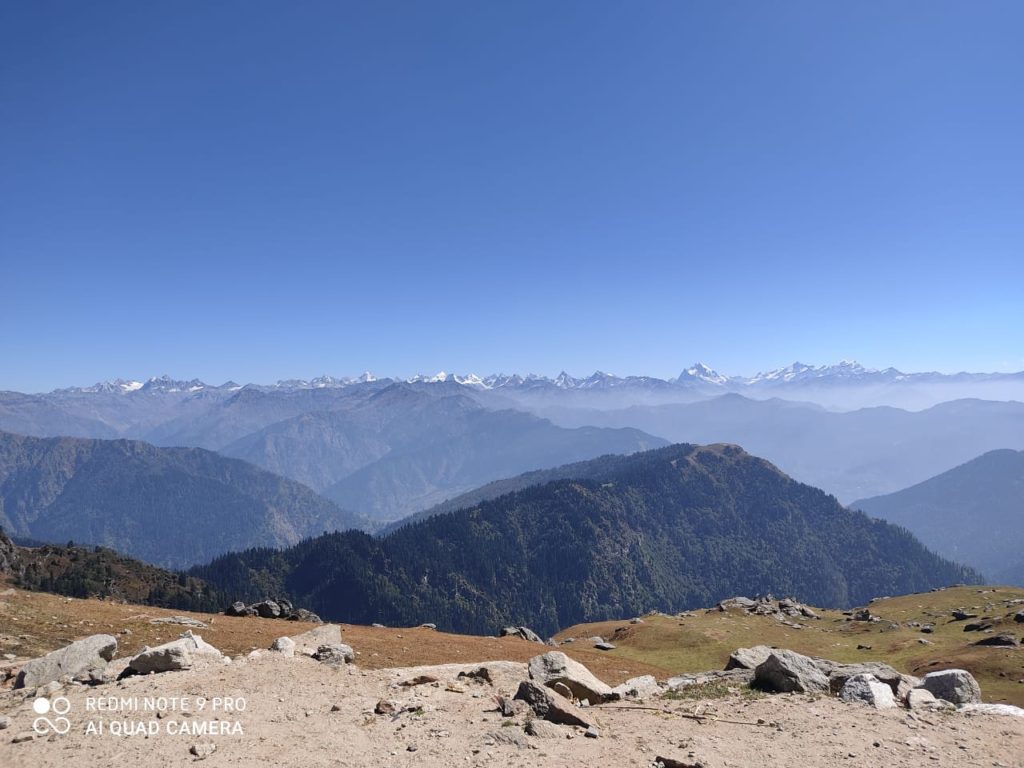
403 449
973 513
671 529
170 506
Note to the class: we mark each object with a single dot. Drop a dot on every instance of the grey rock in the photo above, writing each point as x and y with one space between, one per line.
1002 641
867 689
919 699
748 658
592 732
604 646
542 729
555 667
5 722
786 671
428 625
1019 617
961 615
283 645
301 614
550 704
236 609
335 654
174 656
308 642
838 674
957 686
267 609
992 709
641 687
82 655
738 677
509 737
744 603
522 632
202 751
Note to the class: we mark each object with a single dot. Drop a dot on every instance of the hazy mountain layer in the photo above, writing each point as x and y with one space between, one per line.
170 506
973 513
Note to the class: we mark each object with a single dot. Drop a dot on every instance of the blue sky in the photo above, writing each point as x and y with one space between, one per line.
256 190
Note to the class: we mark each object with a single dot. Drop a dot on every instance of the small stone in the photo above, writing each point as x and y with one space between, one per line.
202 751
23 737
335 707
411 748
384 707
592 732
5 722
283 645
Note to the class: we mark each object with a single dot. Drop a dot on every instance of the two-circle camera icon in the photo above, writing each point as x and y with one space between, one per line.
60 706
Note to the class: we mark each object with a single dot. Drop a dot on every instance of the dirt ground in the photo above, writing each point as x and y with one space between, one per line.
299 712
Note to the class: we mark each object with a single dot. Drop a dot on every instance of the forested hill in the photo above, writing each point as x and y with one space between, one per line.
168 506
670 529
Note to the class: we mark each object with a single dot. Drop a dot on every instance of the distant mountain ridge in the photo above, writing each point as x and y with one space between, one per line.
974 513
670 529
845 371
168 506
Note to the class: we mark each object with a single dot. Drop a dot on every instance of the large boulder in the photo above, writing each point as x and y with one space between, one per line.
81 656
786 671
867 689
555 667
523 632
956 686
283 645
308 642
748 658
268 609
176 655
551 705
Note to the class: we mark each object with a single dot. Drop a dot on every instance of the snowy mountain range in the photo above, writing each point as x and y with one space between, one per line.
698 376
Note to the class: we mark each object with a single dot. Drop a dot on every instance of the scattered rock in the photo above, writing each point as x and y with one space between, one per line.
555 667
22 737
428 625
957 686
418 680
481 674
867 689
5 722
1019 617
523 632
385 707
301 614
920 698
604 646
82 655
961 615
283 645
977 626
173 656
732 676
1004 641
592 732
335 654
786 671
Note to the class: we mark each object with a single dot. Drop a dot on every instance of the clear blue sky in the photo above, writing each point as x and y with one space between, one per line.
257 190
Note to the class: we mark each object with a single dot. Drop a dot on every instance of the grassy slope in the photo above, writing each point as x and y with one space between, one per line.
32 623
705 640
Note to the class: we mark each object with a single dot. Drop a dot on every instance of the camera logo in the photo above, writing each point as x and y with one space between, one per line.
60 706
